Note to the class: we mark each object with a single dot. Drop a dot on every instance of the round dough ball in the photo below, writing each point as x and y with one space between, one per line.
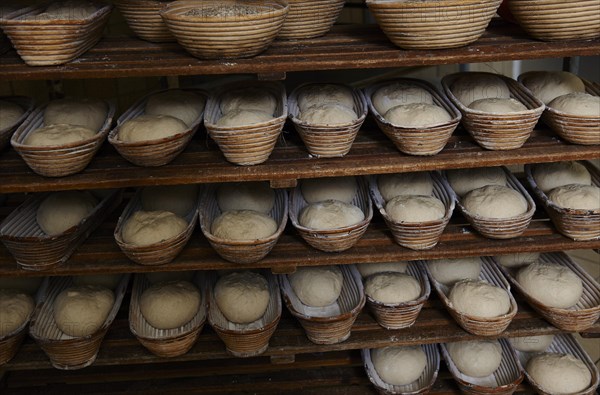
178 199
399 365
495 201
144 228
80 311
548 85
472 87
158 277
243 118
242 297
63 210
399 94
417 115
9 113
109 281
517 260
449 271
317 286
150 127
576 196
257 196
548 176
392 185
498 106
243 225
478 358
86 112
531 343
171 304
253 99
184 105
28 285
316 190
15 309
480 299
368 269
552 284
58 134
328 115
319 94
559 373
415 208
330 214
464 181
581 104
392 287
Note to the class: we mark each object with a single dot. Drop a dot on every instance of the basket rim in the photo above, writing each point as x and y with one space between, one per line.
12 19
421 4
174 11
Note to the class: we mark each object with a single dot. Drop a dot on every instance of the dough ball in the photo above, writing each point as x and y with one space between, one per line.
548 85
464 181
478 358
243 225
580 104
9 113
531 343
368 269
498 106
495 201
316 190
28 285
87 112
80 311
184 105
399 94
178 199
169 305
15 308
63 210
415 208
417 115
548 176
328 115
109 281
242 297
158 277
399 365
480 299
559 373
317 286
58 134
257 196
576 196
319 94
449 271
392 185
471 87
552 284
243 118
253 99
144 228
392 287
517 260
330 214
150 127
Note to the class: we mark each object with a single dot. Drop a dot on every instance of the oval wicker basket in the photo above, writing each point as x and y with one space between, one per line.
310 18
498 131
144 19
24 102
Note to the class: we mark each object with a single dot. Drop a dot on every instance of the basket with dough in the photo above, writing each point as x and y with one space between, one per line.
310 18
143 17
27 104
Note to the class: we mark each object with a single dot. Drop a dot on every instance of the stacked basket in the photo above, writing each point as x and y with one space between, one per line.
310 18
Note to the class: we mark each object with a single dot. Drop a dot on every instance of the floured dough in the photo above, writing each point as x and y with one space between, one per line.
552 284
58 134
330 214
479 298
449 271
531 343
80 311
576 196
109 281
243 225
581 104
471 87
464 181
415 208
171 304
559 373
399 365
63 210
319 94
257 196
517 260
69 9
9 113
495 201
417 115
178 199
548 85
399 94
252 98
548 176
236 118
144 228
87 112
242 297
478 358
392 185
184 105
392 287
317 286
15 308
368 269
150 127
329 114
331 188
498 106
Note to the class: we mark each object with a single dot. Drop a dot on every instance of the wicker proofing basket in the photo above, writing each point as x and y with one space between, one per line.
503 381
323 141
478 325
416 141
334 240
330 324
565 344
144 19
557 20
159 253
417 24
157 152
58 160
402 315
246 145
230 37
421 386
54 41
418 235
575 319
503 228
24 102
498 131
247 340
241 251
35 250
166 342
310 18
576 224
68 352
